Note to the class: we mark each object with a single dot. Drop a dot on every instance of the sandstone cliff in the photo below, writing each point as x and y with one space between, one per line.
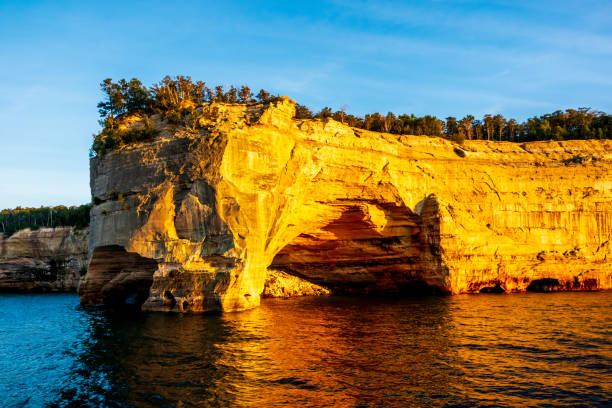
46 259
194 220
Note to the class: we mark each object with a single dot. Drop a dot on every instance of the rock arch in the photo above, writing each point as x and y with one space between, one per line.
372 246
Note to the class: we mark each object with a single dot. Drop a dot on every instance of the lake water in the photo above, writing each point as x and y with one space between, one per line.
480 350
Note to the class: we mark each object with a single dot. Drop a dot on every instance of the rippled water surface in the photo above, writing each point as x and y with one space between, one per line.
481 350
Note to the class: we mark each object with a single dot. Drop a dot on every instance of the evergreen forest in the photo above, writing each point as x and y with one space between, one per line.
177 99
13 220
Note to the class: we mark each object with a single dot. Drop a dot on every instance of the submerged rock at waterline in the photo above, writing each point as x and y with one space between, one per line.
195 219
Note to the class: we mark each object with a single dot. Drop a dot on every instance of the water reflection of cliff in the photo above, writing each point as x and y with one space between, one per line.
300 352
346 352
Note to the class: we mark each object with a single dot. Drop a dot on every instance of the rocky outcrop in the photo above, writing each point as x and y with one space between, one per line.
46 259
281 284
201 217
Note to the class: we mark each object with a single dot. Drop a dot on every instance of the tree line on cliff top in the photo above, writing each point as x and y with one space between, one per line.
177 99
13 220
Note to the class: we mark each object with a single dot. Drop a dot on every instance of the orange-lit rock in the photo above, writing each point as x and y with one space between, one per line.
46 259
350 210
281 284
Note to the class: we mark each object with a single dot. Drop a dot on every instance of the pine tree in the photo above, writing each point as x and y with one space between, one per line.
263 96
245 95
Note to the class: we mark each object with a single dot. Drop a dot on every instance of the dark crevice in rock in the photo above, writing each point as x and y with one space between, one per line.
420 288
169 300
590 284
553 285
459 152
544 285
492 289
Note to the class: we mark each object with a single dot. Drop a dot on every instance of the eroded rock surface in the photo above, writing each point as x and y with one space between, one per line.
211 212
46 259
280 284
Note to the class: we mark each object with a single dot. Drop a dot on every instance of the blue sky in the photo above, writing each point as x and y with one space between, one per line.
518 58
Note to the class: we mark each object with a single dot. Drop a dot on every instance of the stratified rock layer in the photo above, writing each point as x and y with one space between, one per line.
46 259
209 213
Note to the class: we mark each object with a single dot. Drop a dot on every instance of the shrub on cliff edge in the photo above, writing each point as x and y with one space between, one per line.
111 138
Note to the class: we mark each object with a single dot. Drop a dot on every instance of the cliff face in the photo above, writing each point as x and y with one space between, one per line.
194 221
46 259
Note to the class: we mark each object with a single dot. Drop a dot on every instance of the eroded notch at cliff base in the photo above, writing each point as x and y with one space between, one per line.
117 277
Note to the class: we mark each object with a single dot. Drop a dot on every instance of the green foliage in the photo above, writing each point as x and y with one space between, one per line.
581 123
111 138
179 99
176 99
123 97
245 95
263 96
175 94
302 112
13 220
219 95
324 114
231 96
459 138
174 117
186 117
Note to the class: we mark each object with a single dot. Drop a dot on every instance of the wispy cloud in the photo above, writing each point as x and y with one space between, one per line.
487 26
